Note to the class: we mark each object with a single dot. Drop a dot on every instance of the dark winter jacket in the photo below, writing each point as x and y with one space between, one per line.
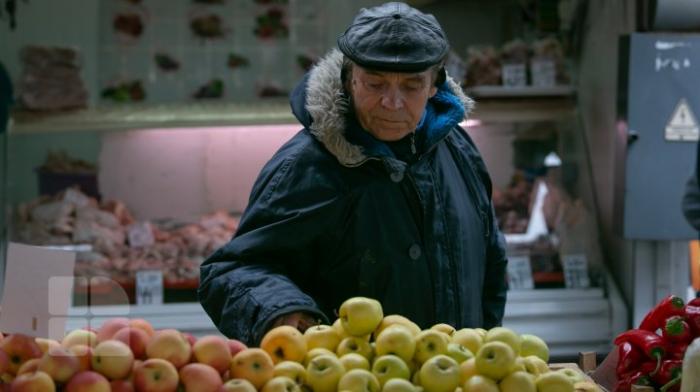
335 214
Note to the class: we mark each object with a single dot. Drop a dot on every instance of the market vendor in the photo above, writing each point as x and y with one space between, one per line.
382 194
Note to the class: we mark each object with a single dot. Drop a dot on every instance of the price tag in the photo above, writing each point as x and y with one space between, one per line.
520 273
140 234
544 72
149 287
576 271
514 75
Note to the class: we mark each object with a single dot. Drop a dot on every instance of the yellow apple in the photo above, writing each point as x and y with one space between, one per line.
110 327
358 380
495 360
533 345
253 364
397 319
574 375
171 345
554 382
313 353
444 328
33 382
284 343
505 335
429 343
354 361
439 374
398 385
281 384
79 336
481 332
360 315
238 385
214 351
338 328
586 386
398 340
113 359
324 372
137 340
143 325
458 352
46 344
469 338
323 336
30 366
467 369
156 374
293 370
535 365
479 383
387 367
198 377
354 344
518 382
19 349
60 364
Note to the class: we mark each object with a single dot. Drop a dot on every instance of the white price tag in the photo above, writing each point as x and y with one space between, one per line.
520 273
514 75
140 235
544 73
576 271
149 287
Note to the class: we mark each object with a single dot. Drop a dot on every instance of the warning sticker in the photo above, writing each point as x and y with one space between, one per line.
683 125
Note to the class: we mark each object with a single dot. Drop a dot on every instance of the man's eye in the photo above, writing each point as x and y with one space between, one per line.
375 86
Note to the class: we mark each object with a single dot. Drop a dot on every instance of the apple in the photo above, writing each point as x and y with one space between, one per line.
518 382
359 380
458 352
30 366
143 325
479 383
323 336
439 374
110 327
586 386
360 316
156 375
469 338
121 386
284 343
88 381
390 366
519 365
293 370
238 385
33 382
253 364
79 336
324 372
60 364
84 355
191 339
171 345
397 319
46 344
19 349
495 360
135 338
338 328
429 343
113 359
281 384
574 375
198 377
4 362
467 369
313 353
235 346
535 365
357 345
398 340
533 345
444 328
214 351
354 361
505 335
554 382
398 385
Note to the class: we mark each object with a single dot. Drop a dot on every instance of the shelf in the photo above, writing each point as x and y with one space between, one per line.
520 92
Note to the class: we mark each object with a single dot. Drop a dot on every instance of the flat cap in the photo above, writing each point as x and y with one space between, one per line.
394 37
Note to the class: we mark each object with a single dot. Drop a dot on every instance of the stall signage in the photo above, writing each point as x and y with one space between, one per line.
576 271
149 287
683 125
520 273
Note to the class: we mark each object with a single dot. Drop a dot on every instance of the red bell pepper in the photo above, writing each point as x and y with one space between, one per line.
676 351
670 370
669 306
629 358
651 344
676 330
624 384
692 316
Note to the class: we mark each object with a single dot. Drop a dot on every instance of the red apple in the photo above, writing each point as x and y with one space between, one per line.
110 327
135 338
190 338
88 382
214 351
79 336
84 355
121 386
156 375
198 377
19 349
33 382
4 362
59 363
171 345
236 346
143 325
30 366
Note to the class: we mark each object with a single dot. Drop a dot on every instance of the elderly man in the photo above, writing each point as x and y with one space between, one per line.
382 194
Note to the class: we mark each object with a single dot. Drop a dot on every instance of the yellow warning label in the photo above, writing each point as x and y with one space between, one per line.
683 125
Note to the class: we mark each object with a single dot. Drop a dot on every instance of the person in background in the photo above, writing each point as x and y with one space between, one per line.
382 194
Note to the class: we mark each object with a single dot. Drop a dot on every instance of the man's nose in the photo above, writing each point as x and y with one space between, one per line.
392 99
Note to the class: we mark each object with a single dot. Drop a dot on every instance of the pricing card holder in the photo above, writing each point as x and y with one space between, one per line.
576 271
520 273
149 287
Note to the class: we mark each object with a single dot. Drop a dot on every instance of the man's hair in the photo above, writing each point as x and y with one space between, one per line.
437 74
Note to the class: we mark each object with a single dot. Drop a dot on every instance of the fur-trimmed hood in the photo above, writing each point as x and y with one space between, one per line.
319 104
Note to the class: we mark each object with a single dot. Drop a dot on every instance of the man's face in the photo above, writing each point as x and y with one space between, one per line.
389 105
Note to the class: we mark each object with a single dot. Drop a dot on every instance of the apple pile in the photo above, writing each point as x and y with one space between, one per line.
363 351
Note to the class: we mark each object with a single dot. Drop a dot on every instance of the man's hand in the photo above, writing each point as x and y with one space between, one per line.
299 320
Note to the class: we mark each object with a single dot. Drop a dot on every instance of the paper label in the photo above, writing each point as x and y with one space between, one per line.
140 235
514 75
544 73
149 287
520 273
683 125
576 271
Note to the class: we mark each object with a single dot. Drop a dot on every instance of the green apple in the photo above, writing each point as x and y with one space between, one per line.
479 383
444 328
357 345
360 315
324 372
238 385
354 361
398 385
535 365
387 367
281 384
338 328
398 340
323 336
458 352
495 360
519 365
469 338
518 382
359 380
439 374
554 382
396 319
505 335
291 369
467 369
572 374
311 354
429 343
533 345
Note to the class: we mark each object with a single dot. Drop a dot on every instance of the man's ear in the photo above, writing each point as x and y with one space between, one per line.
433 91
